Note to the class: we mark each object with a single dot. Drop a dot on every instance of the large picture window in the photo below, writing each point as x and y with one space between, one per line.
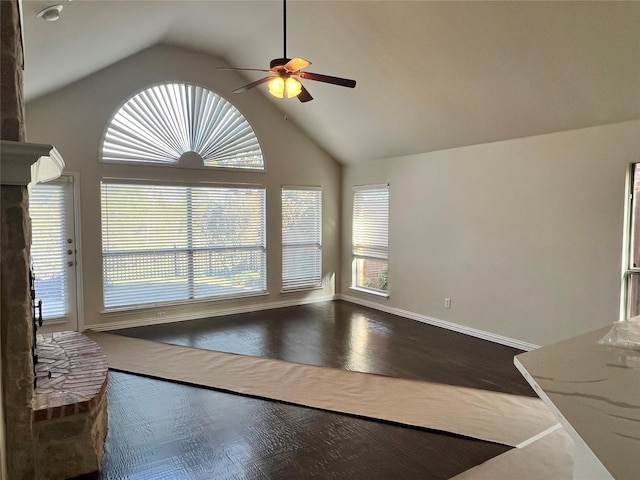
168 243
301 238
632 283
370 238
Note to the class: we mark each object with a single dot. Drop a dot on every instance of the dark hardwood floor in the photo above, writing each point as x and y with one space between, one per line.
164 430
345 335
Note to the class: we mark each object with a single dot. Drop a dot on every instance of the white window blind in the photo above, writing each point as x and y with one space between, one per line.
164 243
370 237
48 211
301 238
162 123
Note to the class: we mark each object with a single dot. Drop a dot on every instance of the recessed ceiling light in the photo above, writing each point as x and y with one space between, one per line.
50 14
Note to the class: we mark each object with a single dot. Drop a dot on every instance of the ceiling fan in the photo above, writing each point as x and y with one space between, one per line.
283 81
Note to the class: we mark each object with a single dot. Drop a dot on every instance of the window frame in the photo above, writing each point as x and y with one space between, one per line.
313 282
377 253
630 272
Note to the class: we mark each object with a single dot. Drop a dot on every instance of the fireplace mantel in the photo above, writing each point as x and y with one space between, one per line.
23 163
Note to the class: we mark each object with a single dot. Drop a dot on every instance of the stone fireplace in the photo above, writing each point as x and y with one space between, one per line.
57 430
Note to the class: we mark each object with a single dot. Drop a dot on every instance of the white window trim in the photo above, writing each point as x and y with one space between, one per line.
354 257
627 241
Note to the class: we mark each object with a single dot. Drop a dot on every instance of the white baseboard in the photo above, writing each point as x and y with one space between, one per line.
143 322
474 332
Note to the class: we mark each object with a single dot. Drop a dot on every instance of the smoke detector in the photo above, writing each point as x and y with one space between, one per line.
50 14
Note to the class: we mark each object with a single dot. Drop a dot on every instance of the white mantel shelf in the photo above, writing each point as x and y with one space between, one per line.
23 163
594 390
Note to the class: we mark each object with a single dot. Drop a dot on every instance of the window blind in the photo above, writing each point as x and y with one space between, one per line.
161 123
301 238
164 243
48 210
370 238
371 222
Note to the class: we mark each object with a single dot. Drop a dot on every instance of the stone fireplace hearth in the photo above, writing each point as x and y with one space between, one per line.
69 405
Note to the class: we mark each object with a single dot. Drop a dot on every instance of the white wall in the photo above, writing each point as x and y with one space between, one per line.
525 236
75 118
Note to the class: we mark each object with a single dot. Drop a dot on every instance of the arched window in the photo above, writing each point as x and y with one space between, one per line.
181 125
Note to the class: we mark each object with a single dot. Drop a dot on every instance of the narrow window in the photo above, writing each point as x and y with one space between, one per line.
632 287
168 243
370 238
301 238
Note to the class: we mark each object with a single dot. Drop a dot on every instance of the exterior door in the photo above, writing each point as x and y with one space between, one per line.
54 252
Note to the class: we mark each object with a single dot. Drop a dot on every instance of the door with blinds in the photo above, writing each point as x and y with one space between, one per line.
54 253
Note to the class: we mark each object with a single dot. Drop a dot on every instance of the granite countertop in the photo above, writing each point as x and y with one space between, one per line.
594 390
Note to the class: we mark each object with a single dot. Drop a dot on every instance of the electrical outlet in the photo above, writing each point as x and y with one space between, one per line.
447 303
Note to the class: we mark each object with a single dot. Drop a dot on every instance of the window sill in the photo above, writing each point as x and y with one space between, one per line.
179 303
377 293
301 289
54 321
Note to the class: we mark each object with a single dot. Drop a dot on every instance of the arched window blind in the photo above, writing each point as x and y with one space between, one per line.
181 124
301 237
370 238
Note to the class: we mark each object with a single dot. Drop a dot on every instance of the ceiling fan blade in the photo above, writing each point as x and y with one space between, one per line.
296 64
244 69
304 95
343 82
252 84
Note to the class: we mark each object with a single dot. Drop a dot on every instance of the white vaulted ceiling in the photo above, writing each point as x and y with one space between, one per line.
431 75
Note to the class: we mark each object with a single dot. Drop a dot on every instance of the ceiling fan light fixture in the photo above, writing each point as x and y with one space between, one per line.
289 86
276 87
293 87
